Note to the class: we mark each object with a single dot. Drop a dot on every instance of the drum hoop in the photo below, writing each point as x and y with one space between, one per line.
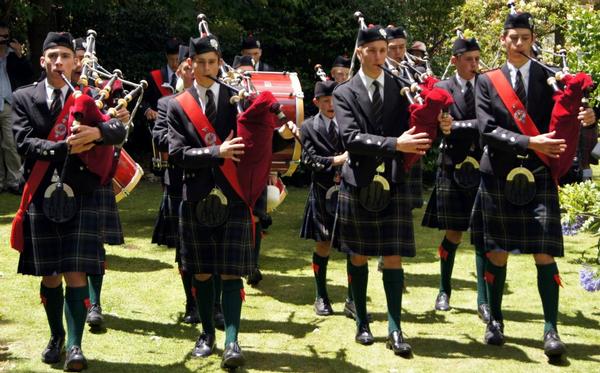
127 189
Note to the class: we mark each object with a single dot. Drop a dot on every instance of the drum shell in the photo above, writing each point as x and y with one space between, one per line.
127 175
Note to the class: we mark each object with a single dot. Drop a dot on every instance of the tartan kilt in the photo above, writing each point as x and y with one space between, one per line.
531 229
449 206
226 250
317 224
389 232
109 215
414 179
166 227
74 246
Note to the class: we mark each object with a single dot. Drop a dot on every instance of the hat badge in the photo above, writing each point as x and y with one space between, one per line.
214 43
258 43
383 33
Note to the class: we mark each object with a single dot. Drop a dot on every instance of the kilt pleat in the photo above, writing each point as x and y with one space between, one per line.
109 214
317 224
73 246
414 180
227 249
449 206
166 227
531 229
388 232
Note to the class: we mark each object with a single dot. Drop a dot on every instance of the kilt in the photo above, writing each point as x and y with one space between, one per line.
388 232
74 246
414 180
109 215
531 229
317 224
166 227
449 206
225 250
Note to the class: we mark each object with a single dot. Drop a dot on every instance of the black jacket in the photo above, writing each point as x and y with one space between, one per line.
31 126
501 137
368 145
316 141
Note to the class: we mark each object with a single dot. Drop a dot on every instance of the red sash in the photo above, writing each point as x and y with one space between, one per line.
58 133
516 108
157 77
208 134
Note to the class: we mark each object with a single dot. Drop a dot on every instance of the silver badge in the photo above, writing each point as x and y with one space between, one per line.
210 138
214 43
61 130
383 33
258 43
520 115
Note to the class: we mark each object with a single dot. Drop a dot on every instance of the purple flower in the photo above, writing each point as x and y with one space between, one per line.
589 279
571 229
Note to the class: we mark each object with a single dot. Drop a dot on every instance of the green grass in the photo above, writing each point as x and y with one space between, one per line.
143 300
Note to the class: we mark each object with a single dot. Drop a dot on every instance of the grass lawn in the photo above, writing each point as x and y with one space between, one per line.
143 300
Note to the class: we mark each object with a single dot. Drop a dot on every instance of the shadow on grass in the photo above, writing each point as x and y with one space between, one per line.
117 367
151 328
134 264
284 362
575 351
291 328
285 264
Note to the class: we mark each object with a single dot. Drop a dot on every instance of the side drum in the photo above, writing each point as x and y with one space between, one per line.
127 176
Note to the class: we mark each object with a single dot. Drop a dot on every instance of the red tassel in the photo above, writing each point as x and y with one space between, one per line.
315 268
194 292
443 253
558 280
87 303
489 277
43 299
349 279
243 294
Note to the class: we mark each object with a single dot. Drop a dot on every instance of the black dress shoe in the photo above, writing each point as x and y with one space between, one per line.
232 356
442 302
218 317
396 343
323 307
483 310
350 310
255 277
191 314
494 333
75 361
94 316
363 335
51 354
204 345
553 346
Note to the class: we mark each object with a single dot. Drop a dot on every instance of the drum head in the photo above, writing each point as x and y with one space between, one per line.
213 210
59 204
466 175
331 199
376 196
520 189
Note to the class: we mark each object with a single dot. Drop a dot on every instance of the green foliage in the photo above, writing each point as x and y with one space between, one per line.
582 199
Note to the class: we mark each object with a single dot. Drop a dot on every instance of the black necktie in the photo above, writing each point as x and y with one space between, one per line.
211 109
520 88
333 135
174 80
377 105
470 100
56 105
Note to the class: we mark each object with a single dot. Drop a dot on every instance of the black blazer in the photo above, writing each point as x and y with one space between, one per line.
315 141
368 145
464 139
261 66
152 93
31 126
173 176
19 71
500 135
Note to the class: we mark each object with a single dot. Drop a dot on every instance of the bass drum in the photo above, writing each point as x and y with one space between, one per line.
287 90
127 176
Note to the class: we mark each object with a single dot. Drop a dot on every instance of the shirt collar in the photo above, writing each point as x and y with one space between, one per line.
367 81
463 82
202 92
50 89
525 69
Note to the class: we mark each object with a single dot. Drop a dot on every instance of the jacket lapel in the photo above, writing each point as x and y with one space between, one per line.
362 97
459 98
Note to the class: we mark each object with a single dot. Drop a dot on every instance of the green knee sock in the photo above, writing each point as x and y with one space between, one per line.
548 282
76 302
350 297
186 280
218 284
95 285
495 277
232 308
319 266
447 252
482 297
205 296
53 300
359 276
393 282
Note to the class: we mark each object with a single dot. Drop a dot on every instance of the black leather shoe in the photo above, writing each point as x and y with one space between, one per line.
204 345
494 333
350 310
94 316
75 361
396 343
363 335
442 302
483 310
51 354
218 317
553 346
323 307
191 314
232 356
255 277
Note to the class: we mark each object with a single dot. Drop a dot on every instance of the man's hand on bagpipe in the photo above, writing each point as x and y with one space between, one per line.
547 144
411 142
232 147
586 116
